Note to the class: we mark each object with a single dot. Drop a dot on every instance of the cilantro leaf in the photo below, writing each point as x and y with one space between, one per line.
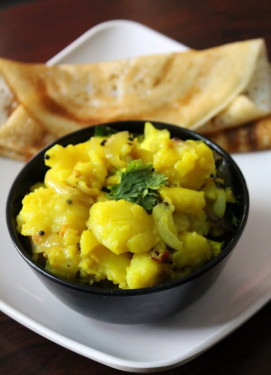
139 184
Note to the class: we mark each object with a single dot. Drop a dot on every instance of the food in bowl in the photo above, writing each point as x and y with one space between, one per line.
128 210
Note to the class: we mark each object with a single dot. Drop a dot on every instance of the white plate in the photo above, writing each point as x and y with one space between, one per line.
241 290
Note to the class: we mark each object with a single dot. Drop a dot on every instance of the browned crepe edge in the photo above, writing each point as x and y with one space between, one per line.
255 136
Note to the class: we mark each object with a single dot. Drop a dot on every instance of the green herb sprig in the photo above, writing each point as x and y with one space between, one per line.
139 183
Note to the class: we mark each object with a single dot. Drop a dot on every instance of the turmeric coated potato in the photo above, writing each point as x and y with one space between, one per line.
122 226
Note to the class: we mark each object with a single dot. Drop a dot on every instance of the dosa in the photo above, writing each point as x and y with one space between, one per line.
216 88
254 136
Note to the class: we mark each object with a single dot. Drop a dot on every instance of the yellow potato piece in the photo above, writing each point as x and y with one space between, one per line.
144 271
66 157
44 210
76 169
196 251
122 226
195 164
100 263
186 163
185 200
154 138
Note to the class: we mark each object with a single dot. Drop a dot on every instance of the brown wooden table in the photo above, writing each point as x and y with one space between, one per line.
34 31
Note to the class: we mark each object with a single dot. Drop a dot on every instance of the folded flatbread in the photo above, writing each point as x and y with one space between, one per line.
254 136
21 137
216 88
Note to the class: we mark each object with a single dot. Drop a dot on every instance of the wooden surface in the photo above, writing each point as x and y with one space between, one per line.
34 31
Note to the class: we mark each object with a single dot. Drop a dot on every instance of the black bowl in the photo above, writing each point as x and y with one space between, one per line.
128 306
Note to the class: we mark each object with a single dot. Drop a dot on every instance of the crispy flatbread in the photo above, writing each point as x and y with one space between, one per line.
254 136
7 101
189 89
21 137
207 91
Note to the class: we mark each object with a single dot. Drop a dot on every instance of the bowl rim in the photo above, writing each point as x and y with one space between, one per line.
67 139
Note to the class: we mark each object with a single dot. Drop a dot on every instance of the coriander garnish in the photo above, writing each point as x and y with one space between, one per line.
139 184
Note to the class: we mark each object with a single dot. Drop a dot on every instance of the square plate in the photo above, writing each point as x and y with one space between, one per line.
245 282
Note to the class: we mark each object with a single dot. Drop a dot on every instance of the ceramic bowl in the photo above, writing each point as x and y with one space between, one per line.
139 305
